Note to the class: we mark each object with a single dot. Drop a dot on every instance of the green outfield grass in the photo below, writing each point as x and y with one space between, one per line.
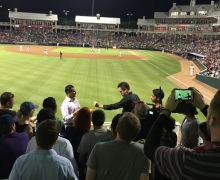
33 77
86 50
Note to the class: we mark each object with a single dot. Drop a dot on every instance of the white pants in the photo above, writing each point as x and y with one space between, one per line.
191 73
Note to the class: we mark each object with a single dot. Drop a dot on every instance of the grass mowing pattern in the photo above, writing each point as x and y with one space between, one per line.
34 77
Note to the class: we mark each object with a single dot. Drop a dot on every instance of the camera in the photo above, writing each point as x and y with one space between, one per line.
153 112
183 95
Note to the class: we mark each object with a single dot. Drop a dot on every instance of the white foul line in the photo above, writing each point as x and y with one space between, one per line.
166 73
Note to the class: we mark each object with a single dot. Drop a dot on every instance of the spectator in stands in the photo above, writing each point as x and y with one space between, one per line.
168 139
125 102
43 162
131 161
89 139
203 133
156 98
50 102
62 146
24 124
113 128
186 163
70 105
7 102
75 132
189 130
12 144
141 111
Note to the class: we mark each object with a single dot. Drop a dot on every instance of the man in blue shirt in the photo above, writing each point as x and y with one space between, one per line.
43 162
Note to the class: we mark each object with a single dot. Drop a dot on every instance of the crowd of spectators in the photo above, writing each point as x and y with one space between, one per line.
98 153
7 36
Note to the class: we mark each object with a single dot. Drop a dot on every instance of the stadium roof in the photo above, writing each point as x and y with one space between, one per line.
33 16
215 14
188 8
161 15
146 22
95 20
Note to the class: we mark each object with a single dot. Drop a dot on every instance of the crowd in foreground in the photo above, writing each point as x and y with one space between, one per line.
141 145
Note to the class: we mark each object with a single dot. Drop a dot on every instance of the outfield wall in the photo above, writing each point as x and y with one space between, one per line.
211 81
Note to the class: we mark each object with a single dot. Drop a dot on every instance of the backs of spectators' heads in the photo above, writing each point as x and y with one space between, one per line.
98 117
47 134
140 110
27 108
44 114
50 102
114 124
7 100
83 120
170 125
204 131
128 127
7 124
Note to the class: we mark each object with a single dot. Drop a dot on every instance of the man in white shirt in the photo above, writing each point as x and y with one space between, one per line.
191 70
70 105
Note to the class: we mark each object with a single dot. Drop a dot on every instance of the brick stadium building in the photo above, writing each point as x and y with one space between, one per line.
25 21
97 25
182 21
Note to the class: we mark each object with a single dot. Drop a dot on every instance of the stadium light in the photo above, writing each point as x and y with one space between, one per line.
93 3
66 12
129 15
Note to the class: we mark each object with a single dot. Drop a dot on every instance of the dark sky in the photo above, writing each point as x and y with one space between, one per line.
106 8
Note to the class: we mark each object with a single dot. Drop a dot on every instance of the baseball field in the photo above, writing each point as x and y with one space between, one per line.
34 76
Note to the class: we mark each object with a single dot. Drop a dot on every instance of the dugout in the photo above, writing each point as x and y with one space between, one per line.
33 21
193 56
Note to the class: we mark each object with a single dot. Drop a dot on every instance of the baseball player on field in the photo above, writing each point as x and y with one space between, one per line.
45 51
28 49
21 49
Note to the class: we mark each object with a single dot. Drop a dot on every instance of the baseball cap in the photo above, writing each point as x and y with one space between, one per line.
141 109
7 120
26 107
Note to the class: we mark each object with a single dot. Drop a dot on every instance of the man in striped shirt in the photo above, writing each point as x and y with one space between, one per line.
183 163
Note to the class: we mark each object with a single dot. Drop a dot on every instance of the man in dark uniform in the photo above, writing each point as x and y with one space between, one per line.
61 55
125 102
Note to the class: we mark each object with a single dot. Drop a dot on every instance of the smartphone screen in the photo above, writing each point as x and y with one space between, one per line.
183 94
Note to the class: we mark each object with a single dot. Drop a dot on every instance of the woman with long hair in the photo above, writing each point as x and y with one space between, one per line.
24 114
81 125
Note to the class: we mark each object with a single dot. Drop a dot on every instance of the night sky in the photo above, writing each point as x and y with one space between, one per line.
106 8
